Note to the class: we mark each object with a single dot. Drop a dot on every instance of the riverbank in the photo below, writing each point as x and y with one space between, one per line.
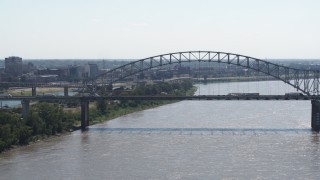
95 120
113 113
234 79
47 120
27 91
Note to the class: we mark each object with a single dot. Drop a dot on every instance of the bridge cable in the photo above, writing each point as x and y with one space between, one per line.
238 80
219 77
248 85
208 74
278 88
213 81
258 83
228 80
268 87
199 78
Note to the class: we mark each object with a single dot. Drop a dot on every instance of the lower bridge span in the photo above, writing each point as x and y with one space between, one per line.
84 101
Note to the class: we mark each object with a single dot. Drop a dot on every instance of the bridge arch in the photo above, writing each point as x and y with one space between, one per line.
306 81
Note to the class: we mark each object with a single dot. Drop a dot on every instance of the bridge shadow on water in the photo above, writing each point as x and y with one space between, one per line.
209 131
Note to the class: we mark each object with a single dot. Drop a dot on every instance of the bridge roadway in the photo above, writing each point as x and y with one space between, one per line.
84 102
61 84
201 97
31 84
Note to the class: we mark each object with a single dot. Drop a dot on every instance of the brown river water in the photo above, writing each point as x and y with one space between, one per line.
184 140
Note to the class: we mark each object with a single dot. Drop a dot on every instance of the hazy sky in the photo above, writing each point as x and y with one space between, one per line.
142 28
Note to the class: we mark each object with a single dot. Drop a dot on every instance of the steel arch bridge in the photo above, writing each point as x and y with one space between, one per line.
306 81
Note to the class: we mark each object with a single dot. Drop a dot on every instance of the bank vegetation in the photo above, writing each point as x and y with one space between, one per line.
47 119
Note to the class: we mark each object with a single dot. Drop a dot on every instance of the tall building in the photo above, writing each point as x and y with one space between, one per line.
13 65
75 73
91 70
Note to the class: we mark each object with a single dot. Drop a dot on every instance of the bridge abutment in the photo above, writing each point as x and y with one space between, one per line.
25 108
84 114
34 91
315 115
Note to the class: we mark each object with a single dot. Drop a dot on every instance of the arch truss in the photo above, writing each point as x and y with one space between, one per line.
306 81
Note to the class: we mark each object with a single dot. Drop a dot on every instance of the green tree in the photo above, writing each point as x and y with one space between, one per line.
53 117
35 122
24 135
13 130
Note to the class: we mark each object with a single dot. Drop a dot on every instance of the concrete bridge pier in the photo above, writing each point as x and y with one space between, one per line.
34 91
25 108
205 79
66 91
84 114
315 115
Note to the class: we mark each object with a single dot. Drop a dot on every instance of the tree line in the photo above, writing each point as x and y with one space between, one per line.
44 119
179 88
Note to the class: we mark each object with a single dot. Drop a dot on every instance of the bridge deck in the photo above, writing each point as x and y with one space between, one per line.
201 97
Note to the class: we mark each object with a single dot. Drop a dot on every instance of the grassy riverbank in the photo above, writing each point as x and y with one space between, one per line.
118 109
49 119
105 111
234 79
27 91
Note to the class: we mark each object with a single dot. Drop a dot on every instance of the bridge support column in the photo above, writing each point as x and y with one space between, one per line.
34 91
315 115
205 79
25 108
66 91
84 114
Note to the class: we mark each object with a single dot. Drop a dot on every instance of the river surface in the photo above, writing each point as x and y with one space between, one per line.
184 140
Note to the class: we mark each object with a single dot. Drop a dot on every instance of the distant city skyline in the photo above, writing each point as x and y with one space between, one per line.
124 29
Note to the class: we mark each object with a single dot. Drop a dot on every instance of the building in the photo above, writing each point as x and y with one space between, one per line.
91 70
75 73
28 68
1 73
13 65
